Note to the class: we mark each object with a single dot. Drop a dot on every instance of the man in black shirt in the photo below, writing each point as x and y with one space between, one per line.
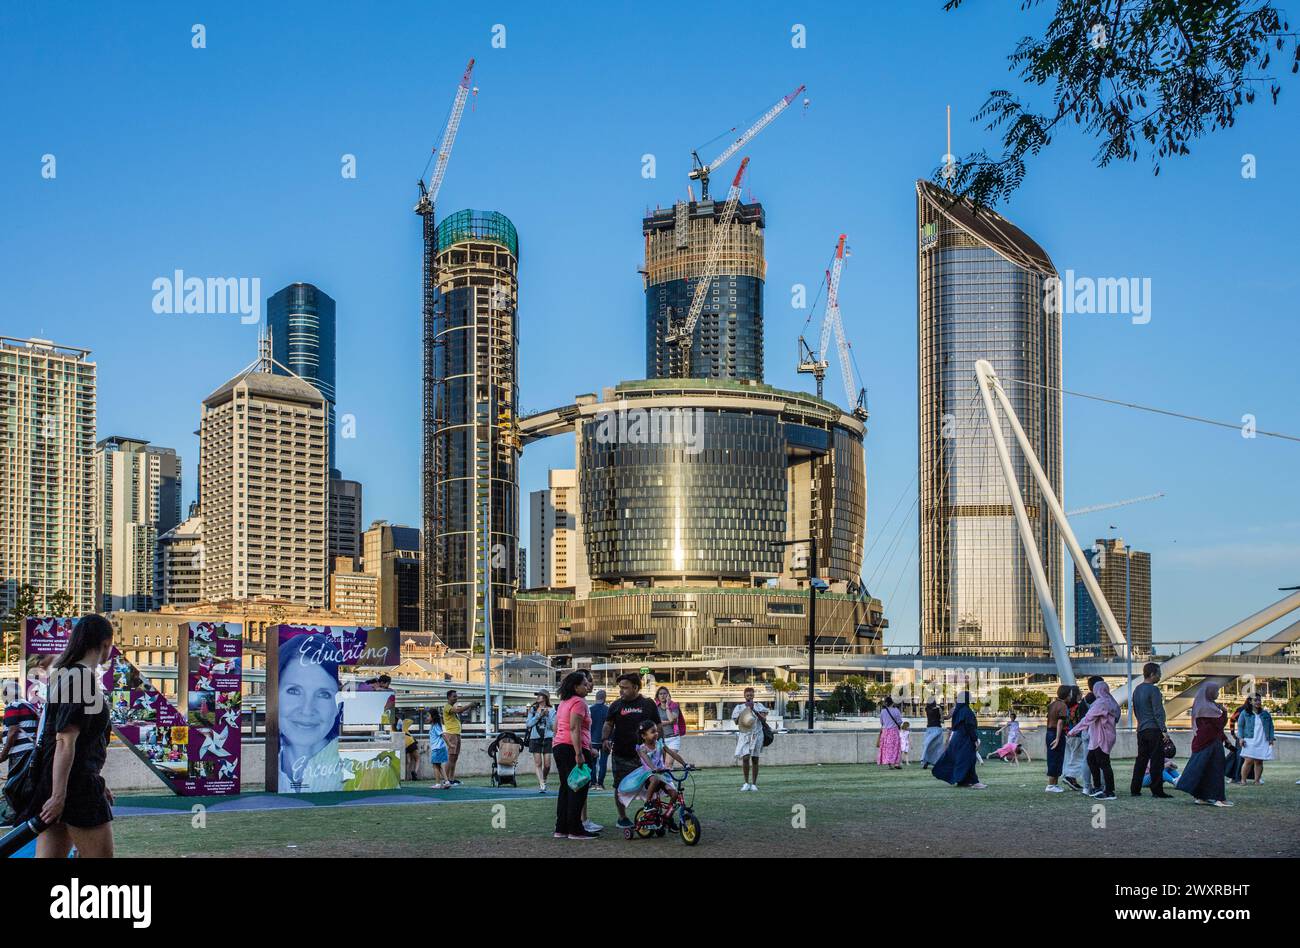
620 735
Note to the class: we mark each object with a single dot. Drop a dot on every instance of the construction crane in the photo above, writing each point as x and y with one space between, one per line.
815 363
429 194
1111 506
681 336
701 171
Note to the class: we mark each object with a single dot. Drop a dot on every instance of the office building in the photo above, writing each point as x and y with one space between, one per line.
551 531
47 446
180 557
392 553
1125 580
354 593
345 519
301 322
137 500
264 484
728 341
981 284
471 450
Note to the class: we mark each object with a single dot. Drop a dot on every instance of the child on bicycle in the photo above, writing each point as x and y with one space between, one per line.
648 779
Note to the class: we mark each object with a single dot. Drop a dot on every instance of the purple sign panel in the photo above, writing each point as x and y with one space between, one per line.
194 757
308 706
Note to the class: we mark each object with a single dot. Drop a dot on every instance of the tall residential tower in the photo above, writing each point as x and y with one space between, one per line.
981 285
471 450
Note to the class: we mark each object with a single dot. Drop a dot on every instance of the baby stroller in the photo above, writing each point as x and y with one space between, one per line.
504 751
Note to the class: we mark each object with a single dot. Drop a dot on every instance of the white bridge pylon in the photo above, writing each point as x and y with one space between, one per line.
989 388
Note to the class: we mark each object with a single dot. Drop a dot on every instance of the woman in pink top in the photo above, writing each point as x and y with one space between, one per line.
571 747
1099 722
670 717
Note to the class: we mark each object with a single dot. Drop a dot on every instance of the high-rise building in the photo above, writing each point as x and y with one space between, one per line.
47 445
552 527
300 318
521 569
728 342
1125 579
391 553
345 519
180 556
471 446
137 500
353 592
981 285
264 483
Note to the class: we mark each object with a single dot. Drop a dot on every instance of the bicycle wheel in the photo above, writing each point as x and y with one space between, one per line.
690 829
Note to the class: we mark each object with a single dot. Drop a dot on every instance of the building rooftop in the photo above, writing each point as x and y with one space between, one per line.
988 227
287 387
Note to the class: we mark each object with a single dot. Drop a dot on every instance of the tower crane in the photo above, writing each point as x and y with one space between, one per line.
701 171
815 363
1111 506
429 194
681 336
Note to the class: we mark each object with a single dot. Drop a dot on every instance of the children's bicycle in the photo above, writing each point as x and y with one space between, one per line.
668 811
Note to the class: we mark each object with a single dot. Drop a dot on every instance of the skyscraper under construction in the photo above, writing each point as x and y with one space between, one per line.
471 450
728 342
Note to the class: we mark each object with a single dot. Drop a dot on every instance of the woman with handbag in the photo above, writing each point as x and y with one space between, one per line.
572 749
888 740
67 792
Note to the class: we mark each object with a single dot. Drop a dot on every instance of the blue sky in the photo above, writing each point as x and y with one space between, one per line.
225 161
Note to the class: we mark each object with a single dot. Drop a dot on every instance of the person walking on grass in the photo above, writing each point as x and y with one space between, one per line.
599 712
932 745
673 724
957 765
437 750
621 734
1058 712
572 748
1149 709
888 741
540 728
1203 775
1256 729
1099 722
749 716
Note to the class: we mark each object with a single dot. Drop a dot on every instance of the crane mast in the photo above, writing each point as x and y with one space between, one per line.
680 337
702 171
815 363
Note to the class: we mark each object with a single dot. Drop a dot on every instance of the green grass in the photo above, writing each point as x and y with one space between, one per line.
845 810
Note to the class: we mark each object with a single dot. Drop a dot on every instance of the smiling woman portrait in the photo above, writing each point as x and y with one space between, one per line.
310 717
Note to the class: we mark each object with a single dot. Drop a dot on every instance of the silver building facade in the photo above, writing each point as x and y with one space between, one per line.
981 294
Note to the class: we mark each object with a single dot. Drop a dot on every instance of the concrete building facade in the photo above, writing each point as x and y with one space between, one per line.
180 557
552 528
47 445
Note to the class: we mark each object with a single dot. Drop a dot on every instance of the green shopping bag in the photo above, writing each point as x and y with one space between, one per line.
579 777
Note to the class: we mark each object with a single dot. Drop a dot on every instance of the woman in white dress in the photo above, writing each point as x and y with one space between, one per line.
749 716
1255 728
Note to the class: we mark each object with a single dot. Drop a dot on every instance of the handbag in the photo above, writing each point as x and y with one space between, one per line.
20 786
579 777
1170 749
768 734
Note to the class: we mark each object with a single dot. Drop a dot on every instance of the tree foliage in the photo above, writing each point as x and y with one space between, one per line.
1141 76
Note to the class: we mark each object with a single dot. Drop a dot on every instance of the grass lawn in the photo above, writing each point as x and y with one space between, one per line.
847 810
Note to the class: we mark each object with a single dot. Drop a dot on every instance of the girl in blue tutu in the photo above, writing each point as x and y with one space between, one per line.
644 782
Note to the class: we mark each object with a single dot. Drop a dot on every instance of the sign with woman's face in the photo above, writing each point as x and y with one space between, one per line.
309 707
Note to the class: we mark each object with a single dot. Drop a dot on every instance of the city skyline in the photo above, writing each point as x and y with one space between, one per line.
1228 505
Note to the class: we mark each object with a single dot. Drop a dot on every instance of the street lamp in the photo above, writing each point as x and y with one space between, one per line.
1128 630
813 585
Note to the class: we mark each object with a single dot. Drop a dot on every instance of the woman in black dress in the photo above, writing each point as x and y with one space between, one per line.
74 801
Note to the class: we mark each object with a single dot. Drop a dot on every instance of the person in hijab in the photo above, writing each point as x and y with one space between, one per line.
1099 723
890 743
1075 770
957 765
1203 775
932 749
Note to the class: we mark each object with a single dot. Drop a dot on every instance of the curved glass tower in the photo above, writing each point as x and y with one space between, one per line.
301 320
980 295
471 496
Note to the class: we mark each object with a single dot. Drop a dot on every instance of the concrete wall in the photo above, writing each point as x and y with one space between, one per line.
124 771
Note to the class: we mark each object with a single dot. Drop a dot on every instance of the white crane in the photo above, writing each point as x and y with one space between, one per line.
1111 506
701 171
681 336
429 195
815 363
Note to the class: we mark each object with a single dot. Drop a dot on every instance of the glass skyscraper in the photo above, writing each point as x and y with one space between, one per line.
301 320
728 341
981 285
